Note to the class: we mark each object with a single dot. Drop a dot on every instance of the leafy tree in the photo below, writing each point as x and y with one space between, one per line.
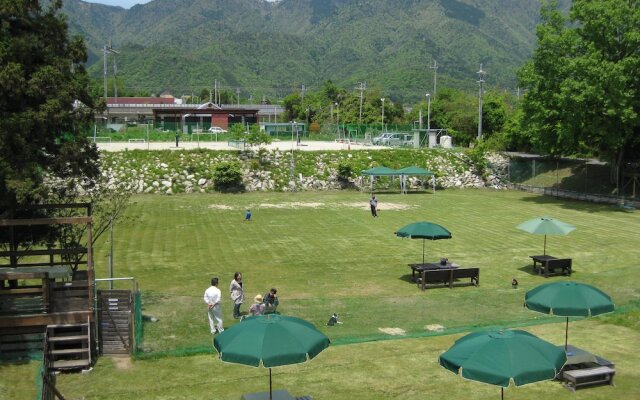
583 94
494 114
45 105
227 176
257 137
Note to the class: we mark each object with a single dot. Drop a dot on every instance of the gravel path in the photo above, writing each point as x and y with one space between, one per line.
281 145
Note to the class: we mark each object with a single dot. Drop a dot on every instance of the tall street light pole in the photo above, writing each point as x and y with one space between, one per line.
435 76
338 118
480 82
382 99
428 112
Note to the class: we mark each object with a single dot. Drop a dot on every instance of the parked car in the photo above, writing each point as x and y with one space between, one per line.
216 129
387 139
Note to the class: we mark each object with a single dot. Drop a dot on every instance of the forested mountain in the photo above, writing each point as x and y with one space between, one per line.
272 47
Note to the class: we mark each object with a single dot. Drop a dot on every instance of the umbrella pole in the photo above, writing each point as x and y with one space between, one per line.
270 388
544 252
502 393
566 335
423 251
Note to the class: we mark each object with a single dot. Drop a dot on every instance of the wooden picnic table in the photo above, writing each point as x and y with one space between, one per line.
419 268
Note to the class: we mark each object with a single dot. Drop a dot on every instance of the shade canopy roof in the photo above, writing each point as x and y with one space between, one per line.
380 171
568 299
413 170
271 340
501 357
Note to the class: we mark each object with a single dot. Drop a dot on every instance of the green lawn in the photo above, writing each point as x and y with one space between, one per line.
325 254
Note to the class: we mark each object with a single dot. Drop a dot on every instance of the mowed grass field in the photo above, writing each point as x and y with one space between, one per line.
326 254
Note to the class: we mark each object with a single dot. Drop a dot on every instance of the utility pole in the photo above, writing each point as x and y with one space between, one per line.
382 99
115 77
363 87
480 82
435 76
428 112
238 95
106 50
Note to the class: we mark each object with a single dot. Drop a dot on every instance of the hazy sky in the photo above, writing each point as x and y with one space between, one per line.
124 3
121 3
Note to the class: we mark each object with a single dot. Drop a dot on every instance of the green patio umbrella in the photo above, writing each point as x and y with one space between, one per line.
546 226
271 340
424 230
568 299
501 357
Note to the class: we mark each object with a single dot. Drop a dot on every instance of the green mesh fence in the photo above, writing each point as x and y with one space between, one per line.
138 325
631 310
38 378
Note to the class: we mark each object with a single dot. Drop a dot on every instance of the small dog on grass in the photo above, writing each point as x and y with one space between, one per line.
333 320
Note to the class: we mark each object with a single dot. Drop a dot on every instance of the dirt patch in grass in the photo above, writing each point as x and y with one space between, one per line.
291 205
393 331
434 328
220 207
122 363
381 206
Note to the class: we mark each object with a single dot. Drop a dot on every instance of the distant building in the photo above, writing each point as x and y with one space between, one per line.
169 112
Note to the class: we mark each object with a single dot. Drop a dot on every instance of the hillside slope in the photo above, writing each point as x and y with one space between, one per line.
183 45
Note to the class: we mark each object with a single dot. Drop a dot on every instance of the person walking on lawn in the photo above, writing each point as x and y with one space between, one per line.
213 297
373 203
237 294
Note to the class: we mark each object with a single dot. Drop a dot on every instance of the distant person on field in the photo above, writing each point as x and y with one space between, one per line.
247 216
373 203
213 297
237 294
271 301
257 308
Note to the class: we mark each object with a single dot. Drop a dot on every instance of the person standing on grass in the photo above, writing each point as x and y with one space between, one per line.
237 293
213 297
247 215
373 203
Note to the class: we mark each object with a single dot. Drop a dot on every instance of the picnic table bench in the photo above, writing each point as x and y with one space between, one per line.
585 369
435 274
588 376
551 266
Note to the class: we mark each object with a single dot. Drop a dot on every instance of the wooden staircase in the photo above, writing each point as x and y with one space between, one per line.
115 316
69 346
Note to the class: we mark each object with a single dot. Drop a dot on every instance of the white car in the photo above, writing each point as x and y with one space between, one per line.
216 129
387 139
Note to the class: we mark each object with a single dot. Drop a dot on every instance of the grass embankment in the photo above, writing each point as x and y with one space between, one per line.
325 254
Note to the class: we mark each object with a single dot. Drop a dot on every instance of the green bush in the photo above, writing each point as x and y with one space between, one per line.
345 171
227 177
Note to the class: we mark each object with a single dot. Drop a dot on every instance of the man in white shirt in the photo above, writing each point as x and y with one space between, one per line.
213 296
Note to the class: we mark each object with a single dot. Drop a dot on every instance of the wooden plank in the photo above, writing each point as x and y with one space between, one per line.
71 317
24 337
21 346
26 290
68 351
44 264
43 252
69 364
22 275
45 221
68 338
